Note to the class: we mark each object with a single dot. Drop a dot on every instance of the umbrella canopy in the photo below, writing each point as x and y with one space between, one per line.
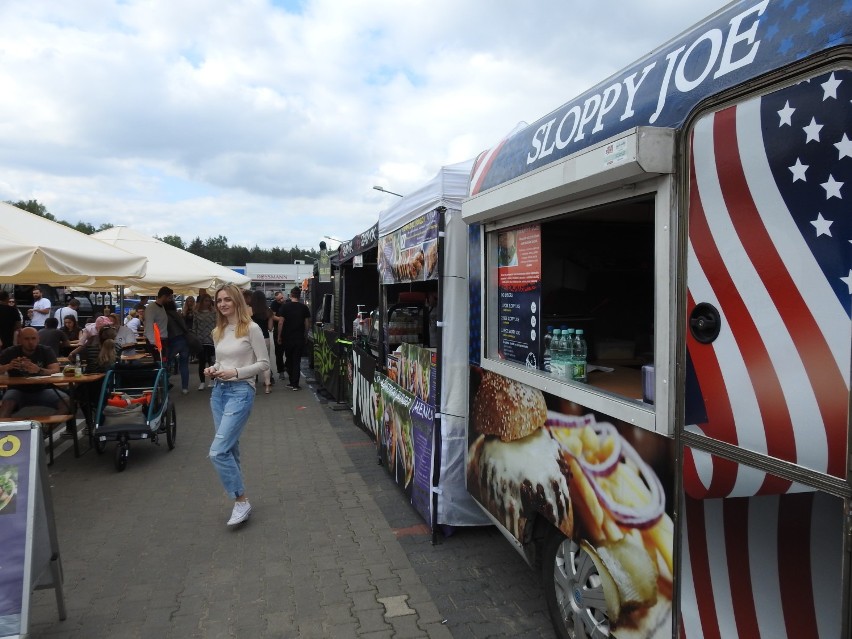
35 250
168 265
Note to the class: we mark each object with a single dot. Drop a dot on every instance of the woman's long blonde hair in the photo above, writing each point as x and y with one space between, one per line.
244 320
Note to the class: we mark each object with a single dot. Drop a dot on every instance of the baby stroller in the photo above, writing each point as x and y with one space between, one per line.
134 404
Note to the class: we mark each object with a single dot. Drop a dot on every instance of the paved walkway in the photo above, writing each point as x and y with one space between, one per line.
332 549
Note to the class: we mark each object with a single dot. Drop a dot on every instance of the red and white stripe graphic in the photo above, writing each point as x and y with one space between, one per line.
762 567
776 380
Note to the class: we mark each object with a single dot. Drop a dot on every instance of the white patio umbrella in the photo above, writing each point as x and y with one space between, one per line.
35 250
168 265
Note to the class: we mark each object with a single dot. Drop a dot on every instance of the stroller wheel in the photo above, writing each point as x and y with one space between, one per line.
100 446
122 450
171 427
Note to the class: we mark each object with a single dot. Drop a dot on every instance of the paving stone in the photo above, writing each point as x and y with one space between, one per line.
317 554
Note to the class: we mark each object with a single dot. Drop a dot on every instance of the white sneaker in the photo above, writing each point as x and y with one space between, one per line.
184 391
241 512
202 386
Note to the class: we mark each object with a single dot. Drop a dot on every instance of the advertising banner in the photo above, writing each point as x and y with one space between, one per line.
327 362
601 481
406 426
364 392
324 265
519 288
358 245
15 478
410 254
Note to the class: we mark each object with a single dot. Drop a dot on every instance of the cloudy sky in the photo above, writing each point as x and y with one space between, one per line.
269 121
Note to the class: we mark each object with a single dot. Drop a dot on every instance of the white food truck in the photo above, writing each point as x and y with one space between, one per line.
686 472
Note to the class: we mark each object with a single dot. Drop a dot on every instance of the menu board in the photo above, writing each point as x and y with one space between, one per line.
519 294
29 553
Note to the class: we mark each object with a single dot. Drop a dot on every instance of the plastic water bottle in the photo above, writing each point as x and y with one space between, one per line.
556 349
568 338
78 367
579 357
548 352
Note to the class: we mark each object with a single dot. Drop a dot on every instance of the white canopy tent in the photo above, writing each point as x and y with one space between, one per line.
447 189
35 250
168 265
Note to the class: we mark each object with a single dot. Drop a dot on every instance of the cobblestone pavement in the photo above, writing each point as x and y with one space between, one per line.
332 549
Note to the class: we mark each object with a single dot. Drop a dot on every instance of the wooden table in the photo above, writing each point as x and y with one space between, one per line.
50 422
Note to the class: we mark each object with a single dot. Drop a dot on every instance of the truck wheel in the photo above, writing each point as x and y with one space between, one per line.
573 590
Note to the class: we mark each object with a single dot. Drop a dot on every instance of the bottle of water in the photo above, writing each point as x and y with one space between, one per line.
580 357
568 337
548 351
557 346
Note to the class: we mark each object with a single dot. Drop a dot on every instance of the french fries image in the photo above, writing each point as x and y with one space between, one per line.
619 508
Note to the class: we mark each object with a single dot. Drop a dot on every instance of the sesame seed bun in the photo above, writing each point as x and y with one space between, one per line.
506 408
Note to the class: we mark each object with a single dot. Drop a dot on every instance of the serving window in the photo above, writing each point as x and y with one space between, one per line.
591 269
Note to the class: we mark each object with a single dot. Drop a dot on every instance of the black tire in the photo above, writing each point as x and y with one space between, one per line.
100 446
573 590
121 453
171 427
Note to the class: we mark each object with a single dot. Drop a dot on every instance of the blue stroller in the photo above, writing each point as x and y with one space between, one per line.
134 404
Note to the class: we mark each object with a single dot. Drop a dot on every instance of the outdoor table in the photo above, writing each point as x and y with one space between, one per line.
49 422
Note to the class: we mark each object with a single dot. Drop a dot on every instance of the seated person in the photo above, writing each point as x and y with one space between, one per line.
100 355
28 359
70 328
90 333
125 338
54 338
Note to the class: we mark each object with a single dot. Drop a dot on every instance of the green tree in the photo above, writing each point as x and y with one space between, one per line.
174 240
33 206
83 227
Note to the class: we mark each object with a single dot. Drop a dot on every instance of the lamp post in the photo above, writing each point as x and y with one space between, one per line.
384 190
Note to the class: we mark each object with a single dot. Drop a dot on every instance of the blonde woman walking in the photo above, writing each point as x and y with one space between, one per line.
240 356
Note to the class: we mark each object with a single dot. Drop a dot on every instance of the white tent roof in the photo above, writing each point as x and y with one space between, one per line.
35 250
169 265
448 188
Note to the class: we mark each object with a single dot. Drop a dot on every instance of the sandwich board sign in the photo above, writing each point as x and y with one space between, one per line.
29 549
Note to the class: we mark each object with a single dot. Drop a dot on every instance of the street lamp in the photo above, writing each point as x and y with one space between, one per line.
384 190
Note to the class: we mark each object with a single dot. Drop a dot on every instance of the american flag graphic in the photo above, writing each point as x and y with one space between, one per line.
762 567
770 228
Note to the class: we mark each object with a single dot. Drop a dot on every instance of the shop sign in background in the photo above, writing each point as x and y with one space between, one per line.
519 294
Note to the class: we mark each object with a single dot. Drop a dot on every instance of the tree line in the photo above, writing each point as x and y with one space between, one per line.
215 249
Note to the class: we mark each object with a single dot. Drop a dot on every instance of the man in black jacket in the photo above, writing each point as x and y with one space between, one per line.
296 321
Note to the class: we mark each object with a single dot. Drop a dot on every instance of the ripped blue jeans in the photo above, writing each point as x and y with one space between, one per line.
231 404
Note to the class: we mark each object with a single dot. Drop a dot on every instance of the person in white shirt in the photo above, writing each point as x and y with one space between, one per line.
68 311
240 355
135 323
41 309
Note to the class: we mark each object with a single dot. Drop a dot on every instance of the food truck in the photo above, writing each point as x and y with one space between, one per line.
409 382
683 469
356 281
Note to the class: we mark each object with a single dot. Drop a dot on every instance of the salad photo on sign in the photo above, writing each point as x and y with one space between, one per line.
8 489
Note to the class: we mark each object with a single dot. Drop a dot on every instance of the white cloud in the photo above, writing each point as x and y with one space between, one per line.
239 118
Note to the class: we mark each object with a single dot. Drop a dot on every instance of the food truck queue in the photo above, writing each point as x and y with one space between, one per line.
690 217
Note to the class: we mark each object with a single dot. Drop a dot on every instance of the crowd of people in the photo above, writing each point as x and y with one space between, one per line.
237 339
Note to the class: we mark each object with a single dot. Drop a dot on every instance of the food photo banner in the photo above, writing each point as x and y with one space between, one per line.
410 254
406 432
15 462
